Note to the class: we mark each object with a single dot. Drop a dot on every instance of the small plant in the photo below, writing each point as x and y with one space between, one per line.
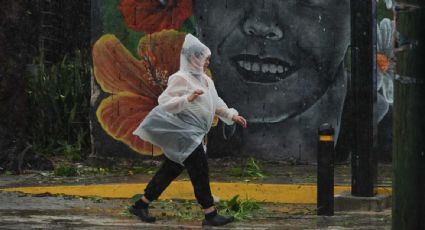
59 101
184 210
179 209
70 151
93 171
252 169
143 170
66 170
240 209
96 199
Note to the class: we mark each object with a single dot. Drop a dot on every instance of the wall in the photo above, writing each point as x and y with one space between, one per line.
281 64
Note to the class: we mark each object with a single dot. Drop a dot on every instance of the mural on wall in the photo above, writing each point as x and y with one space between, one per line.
387 37
134 84
280 63
131 81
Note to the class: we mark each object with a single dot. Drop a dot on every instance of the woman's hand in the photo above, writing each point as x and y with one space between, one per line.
240 120
194 95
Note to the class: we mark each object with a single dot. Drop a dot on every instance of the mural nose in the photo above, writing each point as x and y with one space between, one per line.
259 28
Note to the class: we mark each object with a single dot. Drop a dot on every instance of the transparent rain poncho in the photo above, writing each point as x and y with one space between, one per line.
176 125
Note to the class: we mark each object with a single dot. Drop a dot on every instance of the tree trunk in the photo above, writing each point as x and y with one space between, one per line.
409 120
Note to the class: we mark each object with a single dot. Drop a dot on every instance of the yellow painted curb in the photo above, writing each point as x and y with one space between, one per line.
279 193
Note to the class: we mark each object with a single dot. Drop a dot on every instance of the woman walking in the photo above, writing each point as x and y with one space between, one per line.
178 125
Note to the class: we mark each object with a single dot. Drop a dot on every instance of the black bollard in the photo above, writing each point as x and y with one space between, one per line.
325 171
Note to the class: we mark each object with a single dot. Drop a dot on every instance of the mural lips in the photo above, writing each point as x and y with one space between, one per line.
253 68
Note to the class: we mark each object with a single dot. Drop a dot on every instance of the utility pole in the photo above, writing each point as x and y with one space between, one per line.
364 97
408 207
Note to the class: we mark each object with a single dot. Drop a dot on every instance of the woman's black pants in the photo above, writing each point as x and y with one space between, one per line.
197 167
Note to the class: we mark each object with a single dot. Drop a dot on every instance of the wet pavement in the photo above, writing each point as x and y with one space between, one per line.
19 211
45 211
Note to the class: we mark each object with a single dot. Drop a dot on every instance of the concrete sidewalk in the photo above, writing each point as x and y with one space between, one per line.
19 211
286 198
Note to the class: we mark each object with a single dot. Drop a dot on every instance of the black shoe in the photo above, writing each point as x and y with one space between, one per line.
218 220
142 213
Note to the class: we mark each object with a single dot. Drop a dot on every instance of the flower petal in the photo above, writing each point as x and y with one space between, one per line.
379 79
119 115
152 16
161 52
382 108
116 70
385 37
388 88
389 4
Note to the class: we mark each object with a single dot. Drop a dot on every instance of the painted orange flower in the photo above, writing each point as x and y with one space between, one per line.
155 15
383 62
134 84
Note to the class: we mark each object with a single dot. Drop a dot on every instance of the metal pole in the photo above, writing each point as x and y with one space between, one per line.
325 171
363 79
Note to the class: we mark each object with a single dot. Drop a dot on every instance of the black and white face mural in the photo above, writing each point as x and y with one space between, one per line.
280 64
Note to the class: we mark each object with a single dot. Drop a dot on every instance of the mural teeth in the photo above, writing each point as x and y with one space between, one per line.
255 67
265 68
247 65
272 68
280 69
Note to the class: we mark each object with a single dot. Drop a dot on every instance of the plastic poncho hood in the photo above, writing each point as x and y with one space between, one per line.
193 56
